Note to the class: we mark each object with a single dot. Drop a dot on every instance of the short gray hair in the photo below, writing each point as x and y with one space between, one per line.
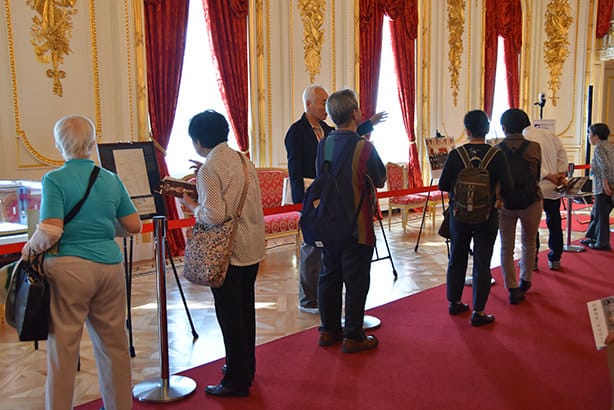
309 93
75 136
340 106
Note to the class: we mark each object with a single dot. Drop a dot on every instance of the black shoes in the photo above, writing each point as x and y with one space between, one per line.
593 245
456 308
516 296
587 241
223 391
524 285
481 319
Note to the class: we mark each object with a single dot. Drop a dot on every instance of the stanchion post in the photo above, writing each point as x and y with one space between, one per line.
165 388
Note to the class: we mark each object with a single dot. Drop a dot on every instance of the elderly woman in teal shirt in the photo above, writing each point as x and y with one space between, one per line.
84 270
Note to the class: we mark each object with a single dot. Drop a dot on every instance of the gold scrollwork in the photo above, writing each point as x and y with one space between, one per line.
51 31
312 16
558 19
456 27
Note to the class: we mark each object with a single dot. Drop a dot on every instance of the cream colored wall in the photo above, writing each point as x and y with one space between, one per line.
100 81
285 63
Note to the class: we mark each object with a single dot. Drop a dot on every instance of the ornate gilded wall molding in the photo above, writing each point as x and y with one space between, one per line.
557 21
456 27
312 16
19 131
51 32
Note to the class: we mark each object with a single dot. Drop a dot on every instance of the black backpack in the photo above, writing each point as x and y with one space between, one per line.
326 220
525 188
473 195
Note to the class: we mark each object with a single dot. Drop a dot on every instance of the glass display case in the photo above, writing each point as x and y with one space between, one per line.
19 206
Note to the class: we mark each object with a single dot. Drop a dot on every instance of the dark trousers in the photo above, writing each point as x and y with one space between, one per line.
236 314
484 236
599 228
350 266
552 208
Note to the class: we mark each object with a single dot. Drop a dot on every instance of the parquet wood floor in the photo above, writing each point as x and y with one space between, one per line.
23 370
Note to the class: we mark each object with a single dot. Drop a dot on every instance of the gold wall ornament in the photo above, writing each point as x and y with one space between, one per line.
456 27
558 19
312 16
51 31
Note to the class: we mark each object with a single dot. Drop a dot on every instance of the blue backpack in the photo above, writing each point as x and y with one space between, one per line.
326 221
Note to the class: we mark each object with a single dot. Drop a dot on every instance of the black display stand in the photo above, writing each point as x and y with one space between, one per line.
133 161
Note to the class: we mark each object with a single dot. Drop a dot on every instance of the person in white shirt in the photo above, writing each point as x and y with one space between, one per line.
220 182
553 171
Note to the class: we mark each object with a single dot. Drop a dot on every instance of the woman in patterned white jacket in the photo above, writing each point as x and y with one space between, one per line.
220 182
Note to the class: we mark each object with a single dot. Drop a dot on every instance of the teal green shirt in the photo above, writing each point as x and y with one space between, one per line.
91 234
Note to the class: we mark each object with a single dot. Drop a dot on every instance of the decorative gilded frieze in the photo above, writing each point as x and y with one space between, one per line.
312 16
51 32
557 21
456 27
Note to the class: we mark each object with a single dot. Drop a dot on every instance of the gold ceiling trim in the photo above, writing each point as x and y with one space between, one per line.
456 27
19 132
50 36
558 19
312 16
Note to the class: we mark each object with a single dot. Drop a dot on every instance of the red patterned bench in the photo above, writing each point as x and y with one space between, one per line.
271 189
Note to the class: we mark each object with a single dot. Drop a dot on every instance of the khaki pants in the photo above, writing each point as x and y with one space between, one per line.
93 293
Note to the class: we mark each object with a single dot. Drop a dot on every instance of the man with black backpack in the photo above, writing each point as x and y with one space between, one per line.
338 211
523 202
470 175
301 142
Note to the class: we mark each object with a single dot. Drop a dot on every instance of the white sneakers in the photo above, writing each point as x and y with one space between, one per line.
312 311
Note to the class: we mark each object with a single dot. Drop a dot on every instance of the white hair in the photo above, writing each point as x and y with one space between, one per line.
75 136
310 92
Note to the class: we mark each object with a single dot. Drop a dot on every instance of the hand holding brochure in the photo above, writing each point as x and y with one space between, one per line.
176 187
601 314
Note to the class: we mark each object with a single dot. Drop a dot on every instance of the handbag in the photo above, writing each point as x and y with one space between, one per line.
28 298
444 228
207 252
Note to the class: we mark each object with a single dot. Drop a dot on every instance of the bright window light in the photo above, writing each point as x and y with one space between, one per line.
500 100
198 91
389 137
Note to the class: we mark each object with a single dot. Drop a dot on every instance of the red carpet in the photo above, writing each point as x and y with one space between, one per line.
537 355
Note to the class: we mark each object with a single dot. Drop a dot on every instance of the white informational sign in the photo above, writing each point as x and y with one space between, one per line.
550 125
601 314
131 168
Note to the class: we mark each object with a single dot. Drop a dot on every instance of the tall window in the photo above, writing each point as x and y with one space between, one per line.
198 91
389 137
500 99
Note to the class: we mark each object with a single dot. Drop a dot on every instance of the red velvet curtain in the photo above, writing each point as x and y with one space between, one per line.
227 21
166 22
370 26
503 18
404 31
604 14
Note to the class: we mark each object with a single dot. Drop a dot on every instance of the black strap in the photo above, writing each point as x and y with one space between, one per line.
75 209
